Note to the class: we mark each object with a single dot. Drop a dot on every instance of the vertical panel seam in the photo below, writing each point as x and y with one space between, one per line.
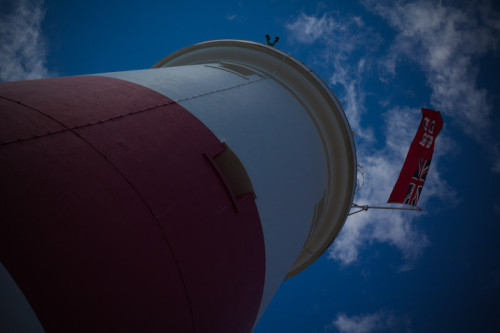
73 130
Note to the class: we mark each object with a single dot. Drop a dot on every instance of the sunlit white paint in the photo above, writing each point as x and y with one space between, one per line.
281 142
273 137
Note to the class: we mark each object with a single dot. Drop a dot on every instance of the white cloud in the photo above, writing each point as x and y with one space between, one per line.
340 37
377 322
447 41
22 48
307 29
381 169
349 65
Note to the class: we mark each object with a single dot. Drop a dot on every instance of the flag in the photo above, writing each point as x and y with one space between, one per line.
418 160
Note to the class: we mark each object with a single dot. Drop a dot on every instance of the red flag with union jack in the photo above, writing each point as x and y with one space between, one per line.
418 160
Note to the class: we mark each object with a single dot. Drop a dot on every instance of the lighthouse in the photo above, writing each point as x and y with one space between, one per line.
171 199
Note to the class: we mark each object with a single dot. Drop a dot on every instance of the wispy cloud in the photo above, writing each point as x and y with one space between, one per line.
447 41
22 47
349 66
377 322
308 28
381 169
340 37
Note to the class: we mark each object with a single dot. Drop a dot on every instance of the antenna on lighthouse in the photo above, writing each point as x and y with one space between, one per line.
268 39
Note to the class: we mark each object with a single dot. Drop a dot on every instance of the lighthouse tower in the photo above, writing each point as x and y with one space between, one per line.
172 199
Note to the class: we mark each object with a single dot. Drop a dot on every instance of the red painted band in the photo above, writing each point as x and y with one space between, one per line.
113 219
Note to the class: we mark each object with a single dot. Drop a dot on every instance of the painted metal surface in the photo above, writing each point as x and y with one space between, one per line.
273 137
286 127
113 217
118 143
325 112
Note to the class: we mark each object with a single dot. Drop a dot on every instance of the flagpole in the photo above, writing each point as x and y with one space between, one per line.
366 207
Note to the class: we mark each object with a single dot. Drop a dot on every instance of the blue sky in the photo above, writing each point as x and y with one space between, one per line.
387 271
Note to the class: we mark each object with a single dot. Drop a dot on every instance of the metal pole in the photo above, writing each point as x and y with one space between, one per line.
366 207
